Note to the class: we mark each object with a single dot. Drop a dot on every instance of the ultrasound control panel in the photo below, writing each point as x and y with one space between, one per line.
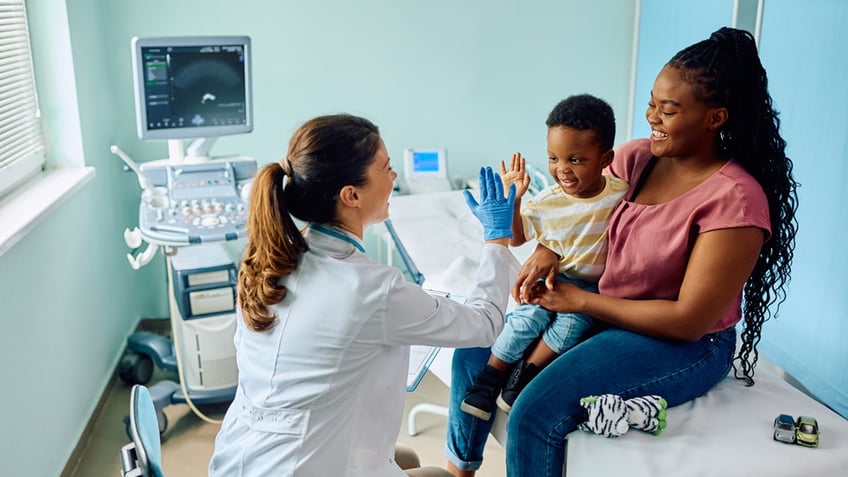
195 203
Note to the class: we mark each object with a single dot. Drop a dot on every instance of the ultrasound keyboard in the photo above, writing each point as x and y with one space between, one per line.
195 203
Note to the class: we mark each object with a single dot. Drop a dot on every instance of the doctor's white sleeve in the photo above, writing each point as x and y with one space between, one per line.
413 316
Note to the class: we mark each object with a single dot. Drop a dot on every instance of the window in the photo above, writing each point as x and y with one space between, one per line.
36 176
22 152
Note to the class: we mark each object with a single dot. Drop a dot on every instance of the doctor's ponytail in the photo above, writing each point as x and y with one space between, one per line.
273 249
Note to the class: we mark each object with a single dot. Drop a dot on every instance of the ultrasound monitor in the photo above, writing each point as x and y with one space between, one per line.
192 87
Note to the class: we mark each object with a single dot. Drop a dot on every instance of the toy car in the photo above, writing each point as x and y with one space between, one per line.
807 431
784 429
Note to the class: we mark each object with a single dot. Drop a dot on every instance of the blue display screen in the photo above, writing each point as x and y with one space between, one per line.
425 161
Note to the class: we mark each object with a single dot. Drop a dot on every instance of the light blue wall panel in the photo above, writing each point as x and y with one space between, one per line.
666 27
803 47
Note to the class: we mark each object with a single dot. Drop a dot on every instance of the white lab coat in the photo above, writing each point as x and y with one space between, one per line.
321 393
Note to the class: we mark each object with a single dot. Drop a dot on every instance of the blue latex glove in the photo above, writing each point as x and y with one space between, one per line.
494 211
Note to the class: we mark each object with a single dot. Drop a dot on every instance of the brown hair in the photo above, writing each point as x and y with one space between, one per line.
325 154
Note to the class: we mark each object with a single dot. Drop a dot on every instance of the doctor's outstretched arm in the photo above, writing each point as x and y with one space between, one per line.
421 318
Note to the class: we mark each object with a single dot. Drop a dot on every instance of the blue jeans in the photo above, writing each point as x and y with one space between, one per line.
560 331
612 361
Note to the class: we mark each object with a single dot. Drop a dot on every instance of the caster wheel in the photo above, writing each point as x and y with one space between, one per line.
161 419
163 422
135 368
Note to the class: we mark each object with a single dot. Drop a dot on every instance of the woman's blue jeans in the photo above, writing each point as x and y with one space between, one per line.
612 361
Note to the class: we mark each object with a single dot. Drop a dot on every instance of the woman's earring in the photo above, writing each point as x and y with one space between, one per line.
724 140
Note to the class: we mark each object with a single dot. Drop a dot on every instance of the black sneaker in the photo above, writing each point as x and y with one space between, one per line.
480 396
521 374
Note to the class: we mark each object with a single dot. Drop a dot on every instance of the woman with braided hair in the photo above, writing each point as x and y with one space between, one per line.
707 228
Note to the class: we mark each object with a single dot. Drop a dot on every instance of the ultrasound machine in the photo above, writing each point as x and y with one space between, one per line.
196 88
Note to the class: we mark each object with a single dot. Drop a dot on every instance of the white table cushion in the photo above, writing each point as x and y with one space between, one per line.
726 432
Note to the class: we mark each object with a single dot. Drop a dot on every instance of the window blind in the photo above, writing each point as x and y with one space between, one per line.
22 151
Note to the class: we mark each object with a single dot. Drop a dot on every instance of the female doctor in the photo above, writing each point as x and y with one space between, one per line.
323 332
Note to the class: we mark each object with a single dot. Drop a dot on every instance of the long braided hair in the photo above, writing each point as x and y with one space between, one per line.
725 71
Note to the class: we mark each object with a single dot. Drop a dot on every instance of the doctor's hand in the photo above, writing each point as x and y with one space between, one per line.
543 263
493 211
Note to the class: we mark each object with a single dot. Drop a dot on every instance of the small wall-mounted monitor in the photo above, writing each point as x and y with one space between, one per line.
192 87
425 162
425 170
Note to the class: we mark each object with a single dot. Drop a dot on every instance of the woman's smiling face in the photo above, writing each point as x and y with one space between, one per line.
680 123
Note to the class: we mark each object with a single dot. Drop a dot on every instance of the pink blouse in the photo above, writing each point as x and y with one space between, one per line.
649 245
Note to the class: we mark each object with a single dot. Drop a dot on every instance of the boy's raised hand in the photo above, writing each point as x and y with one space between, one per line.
515 175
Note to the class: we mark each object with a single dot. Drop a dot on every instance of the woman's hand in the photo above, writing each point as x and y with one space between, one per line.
561 298
544 263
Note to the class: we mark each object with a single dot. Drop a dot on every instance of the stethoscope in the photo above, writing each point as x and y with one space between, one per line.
336 234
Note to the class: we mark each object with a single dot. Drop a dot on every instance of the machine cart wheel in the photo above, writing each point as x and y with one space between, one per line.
135 368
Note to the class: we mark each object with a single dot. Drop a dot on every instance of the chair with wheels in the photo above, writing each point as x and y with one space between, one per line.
143 456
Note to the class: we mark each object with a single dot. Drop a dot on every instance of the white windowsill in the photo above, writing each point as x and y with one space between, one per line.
24 208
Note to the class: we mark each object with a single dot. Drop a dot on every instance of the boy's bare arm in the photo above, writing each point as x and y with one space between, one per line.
518 237
516 175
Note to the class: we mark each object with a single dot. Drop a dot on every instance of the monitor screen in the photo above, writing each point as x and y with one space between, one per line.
192 87
425 161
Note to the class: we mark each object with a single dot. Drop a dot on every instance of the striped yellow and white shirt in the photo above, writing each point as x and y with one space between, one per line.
574 228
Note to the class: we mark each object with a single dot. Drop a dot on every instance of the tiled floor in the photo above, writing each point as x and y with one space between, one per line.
188 441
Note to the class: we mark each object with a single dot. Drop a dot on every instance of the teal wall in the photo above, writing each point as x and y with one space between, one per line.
476 77
68 298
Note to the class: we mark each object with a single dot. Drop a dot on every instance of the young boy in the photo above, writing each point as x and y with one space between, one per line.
570 218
